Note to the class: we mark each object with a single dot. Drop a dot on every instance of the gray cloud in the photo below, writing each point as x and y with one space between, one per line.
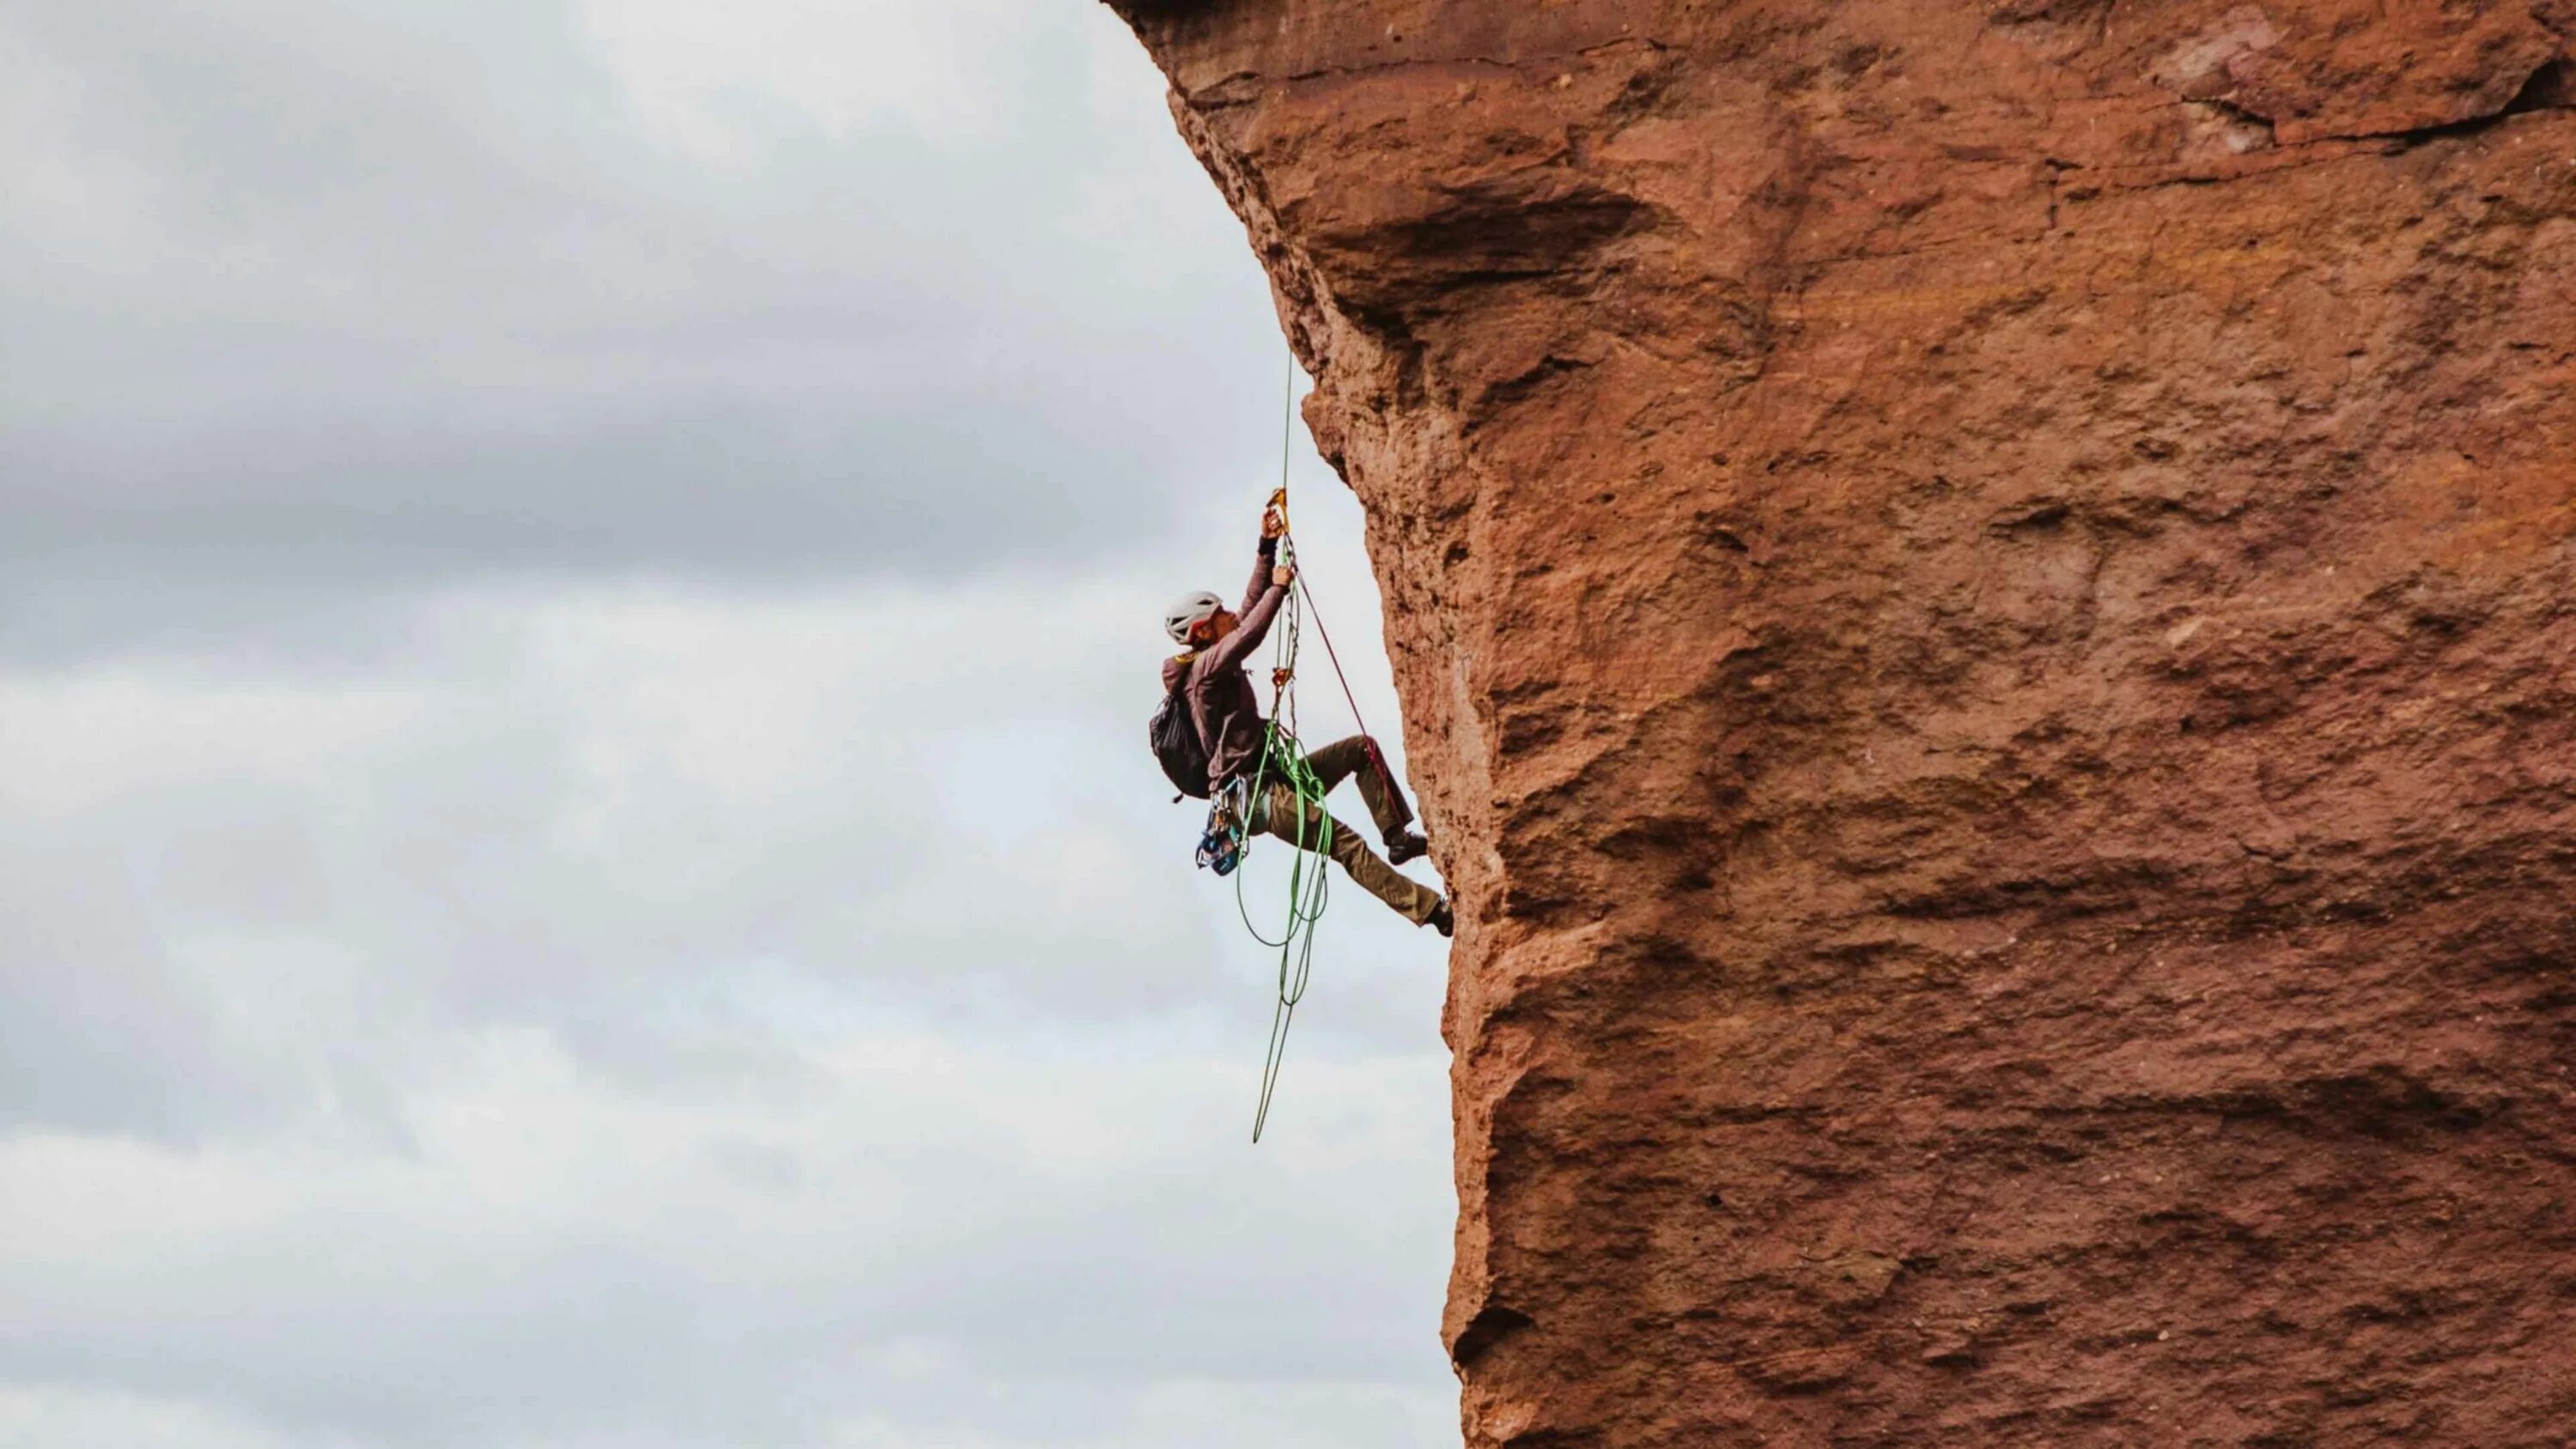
390 299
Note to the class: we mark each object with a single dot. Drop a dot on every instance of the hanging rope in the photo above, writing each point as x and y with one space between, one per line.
1283 760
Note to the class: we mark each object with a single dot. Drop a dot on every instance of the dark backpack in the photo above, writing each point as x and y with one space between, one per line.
1177 744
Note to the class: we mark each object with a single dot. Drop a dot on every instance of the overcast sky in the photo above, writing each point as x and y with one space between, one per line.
578 595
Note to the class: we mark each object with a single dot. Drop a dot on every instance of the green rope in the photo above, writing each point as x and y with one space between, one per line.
1307 879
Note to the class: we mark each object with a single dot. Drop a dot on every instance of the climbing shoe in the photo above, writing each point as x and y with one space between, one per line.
1441 920
1404 845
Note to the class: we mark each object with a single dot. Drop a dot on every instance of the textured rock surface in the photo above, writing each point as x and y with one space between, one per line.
1982 592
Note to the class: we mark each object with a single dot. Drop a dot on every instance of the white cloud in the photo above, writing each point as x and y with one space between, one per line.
720 81
70 198
571 796
614 967
928 1217
59 1417
76 743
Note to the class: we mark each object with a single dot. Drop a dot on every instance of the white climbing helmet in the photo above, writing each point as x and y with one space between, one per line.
1188 612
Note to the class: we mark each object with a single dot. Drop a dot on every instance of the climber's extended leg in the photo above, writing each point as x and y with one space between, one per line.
1344 759
1284 815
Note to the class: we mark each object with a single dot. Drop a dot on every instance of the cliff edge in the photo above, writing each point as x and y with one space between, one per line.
1982 591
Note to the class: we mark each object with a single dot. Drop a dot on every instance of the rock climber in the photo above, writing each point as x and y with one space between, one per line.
1227 718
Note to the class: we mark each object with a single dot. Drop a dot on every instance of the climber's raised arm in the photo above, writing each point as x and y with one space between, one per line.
1258 611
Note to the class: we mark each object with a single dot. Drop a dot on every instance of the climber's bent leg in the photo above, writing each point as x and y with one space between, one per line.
1281 816
1343 759
1410 898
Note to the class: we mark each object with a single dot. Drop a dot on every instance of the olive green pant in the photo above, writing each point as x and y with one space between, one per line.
1280 813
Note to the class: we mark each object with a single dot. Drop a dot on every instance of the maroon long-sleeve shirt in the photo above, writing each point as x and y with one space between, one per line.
1222 704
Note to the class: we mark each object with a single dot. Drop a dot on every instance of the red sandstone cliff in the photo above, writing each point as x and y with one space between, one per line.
1982 593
